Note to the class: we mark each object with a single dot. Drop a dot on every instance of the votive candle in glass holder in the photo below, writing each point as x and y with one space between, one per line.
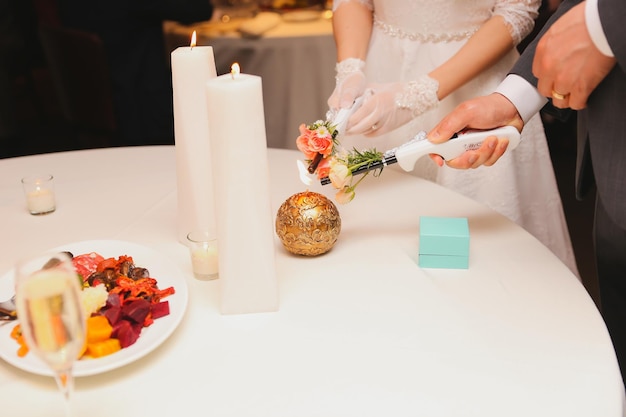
203 250
39 191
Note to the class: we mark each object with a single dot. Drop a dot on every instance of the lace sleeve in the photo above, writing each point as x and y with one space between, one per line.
519 16
367 3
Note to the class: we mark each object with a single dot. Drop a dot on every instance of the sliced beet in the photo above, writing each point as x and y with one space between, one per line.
136 310
160 309
126 333
113 314
113 300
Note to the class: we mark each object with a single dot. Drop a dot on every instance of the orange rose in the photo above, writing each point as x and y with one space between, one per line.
311 143
323 169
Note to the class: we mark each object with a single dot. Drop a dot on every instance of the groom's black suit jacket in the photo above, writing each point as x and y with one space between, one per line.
602 124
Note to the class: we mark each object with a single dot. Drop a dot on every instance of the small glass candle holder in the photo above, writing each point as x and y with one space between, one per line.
39 191
203 250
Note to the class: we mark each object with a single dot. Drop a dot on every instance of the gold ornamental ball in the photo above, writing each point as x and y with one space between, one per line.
308 224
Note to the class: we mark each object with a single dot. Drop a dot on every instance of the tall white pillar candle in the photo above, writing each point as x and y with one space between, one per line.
248 282
192 67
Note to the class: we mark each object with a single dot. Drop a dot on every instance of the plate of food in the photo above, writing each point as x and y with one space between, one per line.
167 284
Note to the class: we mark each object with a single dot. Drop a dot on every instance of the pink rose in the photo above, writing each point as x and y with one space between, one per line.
310 143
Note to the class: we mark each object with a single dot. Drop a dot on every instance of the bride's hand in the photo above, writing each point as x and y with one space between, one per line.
390 106
350 83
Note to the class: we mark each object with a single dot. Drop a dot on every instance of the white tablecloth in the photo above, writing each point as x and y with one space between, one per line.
295 60
361 331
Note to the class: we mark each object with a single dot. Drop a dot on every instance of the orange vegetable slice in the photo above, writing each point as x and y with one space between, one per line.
16 333
98 329
103 348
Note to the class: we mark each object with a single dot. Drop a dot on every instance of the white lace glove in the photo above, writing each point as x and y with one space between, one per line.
350 83
389 106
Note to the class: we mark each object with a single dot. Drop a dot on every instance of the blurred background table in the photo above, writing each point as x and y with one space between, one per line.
296 60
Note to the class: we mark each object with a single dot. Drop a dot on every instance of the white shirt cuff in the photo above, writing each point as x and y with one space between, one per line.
523 95
594 26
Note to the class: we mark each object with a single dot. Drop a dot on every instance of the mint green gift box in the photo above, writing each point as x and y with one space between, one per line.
444 242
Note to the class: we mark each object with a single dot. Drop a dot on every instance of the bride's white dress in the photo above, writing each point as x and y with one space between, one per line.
412 37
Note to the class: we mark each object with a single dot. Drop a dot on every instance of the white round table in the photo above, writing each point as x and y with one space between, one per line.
361 331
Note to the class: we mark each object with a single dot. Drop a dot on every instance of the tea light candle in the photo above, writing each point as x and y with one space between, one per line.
203 251
204 261
39 193
40 201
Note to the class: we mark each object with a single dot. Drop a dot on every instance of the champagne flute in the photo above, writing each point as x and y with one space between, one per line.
51 314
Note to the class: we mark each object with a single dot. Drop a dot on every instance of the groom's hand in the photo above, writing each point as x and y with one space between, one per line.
488 112
567 63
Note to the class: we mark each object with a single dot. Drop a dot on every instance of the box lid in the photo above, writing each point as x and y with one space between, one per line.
444 236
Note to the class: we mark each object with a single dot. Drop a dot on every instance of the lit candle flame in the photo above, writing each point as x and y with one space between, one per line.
304 177
234 70
193 39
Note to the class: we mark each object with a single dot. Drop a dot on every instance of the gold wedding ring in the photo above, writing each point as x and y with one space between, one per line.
558 96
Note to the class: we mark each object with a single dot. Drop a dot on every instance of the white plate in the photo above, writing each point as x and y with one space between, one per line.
166 274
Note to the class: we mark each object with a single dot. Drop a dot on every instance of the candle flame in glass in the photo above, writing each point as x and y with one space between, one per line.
304 177
235 70
193 39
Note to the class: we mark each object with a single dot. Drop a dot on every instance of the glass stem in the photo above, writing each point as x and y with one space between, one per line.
65 382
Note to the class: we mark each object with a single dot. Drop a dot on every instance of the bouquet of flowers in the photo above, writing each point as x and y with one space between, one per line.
326 158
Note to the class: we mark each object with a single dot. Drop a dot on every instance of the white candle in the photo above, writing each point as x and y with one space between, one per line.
192 67
204 261
203 249
40 201
39 192
245 219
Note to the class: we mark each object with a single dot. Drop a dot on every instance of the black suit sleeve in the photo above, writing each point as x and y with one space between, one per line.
524 65
612 17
